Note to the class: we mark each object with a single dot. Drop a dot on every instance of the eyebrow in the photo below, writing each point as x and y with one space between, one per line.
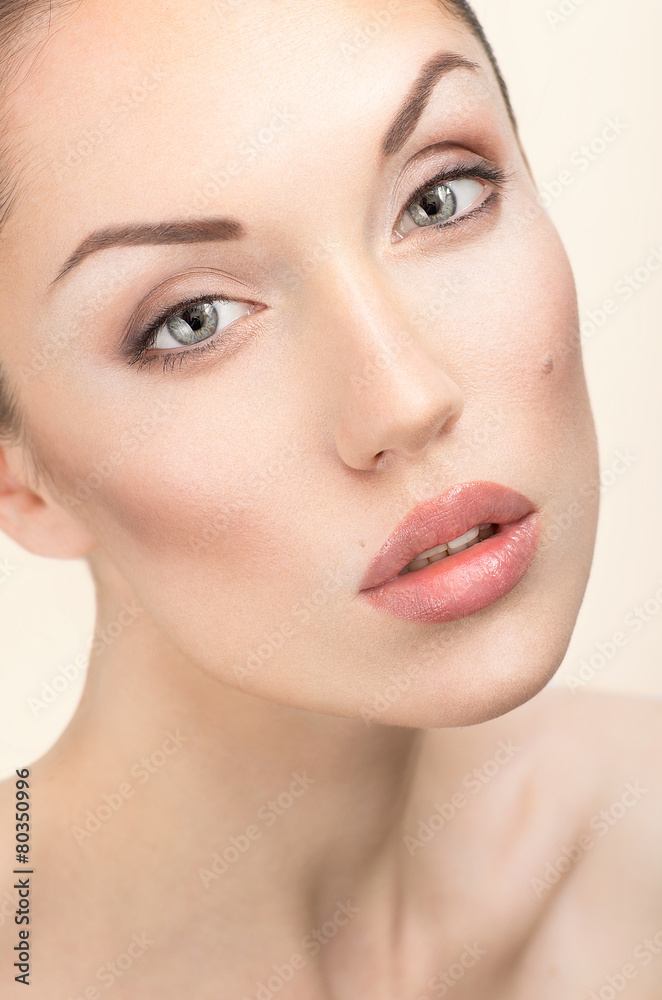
418 97
154 234
225 229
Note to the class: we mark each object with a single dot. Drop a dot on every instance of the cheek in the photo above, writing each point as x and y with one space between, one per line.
547 381
519 336
529 317
550 438
189 497
199 510
509 337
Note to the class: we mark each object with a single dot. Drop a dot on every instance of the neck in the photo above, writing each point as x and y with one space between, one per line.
263 821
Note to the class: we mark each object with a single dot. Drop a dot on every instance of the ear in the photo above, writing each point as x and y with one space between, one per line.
31 515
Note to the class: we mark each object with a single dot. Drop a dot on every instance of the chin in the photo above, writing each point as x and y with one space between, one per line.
486 665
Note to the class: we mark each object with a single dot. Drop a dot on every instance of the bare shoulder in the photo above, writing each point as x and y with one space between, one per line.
619 730
593 730
618 739
599 755
581 750
598 737
597 763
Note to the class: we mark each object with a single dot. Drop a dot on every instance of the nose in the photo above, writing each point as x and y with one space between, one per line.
392 395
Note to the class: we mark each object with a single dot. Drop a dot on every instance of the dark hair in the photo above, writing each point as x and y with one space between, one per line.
21 22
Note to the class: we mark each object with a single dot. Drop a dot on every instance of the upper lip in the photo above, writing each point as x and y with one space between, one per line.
440 520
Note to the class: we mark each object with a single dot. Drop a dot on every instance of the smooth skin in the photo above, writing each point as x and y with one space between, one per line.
239 710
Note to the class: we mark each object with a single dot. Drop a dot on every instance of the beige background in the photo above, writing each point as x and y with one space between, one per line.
572 67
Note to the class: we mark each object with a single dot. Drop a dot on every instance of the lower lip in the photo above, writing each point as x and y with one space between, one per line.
460 585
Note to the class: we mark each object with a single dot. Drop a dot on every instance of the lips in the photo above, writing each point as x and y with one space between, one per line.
463 583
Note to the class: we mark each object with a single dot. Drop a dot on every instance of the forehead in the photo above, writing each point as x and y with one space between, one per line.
131 108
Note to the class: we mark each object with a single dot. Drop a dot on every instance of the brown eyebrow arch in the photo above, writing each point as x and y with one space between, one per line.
419 94
221 229
162 233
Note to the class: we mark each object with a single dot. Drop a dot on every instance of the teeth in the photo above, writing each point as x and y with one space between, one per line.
466 541
461 543
434 552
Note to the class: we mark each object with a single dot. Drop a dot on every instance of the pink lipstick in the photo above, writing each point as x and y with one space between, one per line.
461 582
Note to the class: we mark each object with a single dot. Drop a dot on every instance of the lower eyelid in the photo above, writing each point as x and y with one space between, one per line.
168 356
165 355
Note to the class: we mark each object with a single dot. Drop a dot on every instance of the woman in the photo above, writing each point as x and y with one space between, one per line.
283 318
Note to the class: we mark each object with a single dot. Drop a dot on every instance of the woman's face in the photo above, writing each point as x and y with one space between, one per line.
242 480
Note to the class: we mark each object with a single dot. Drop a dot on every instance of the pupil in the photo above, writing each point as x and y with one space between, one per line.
437 205
193 318
431 205
189 322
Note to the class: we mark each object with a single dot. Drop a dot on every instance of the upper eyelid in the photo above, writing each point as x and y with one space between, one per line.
138 351
138 345
483 171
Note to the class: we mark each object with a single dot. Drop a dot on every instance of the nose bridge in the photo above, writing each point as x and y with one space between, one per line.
391 392
350 293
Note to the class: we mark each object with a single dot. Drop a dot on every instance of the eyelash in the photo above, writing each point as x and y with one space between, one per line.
494 175
498 178
139 356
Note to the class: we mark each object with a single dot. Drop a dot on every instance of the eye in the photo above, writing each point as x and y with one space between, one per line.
195 323
439 202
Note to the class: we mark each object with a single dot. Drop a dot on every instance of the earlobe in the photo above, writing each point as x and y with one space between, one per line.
34 519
